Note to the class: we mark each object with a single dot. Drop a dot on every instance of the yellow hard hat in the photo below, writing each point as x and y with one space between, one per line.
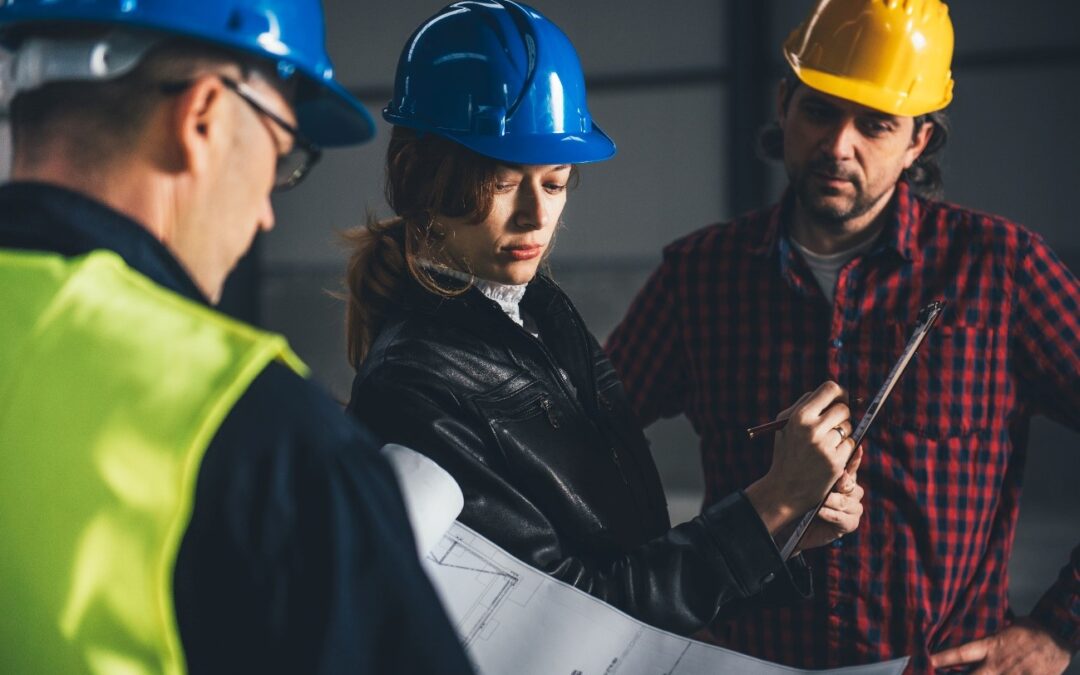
889 55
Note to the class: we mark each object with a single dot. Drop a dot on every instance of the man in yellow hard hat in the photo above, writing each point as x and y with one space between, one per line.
827 284
175 495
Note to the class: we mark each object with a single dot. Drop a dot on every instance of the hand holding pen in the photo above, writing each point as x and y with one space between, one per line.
809 456
928 316
779 423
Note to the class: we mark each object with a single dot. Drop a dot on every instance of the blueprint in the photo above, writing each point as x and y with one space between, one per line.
516 620
432 497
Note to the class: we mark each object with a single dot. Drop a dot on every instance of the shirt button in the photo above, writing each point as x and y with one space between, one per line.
838 543
837 343
768 578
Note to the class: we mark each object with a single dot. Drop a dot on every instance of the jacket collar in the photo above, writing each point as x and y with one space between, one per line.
561 327
45 217
542 297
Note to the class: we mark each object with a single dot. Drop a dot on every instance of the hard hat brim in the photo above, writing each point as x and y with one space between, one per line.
868 94
548 149
330 116
534 149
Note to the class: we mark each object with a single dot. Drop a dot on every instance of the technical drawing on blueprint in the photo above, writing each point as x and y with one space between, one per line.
516 619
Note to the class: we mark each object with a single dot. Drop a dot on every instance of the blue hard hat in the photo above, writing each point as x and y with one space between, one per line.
288 33
499 78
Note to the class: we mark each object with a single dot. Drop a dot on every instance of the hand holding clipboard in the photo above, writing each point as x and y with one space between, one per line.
927 316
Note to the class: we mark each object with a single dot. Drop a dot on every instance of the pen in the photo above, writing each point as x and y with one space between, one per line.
775 425
778 424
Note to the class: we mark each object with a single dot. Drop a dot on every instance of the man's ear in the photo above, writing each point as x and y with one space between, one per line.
199 123
919 141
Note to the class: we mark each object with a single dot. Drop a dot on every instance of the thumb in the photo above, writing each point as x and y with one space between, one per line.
845 485
855 461
971 652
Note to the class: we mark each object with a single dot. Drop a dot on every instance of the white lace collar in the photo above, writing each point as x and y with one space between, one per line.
506 296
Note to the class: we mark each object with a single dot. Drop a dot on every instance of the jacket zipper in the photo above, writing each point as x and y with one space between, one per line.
568 389
559 376
581 331
547 405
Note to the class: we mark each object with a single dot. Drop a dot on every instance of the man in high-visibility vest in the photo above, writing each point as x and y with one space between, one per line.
174 495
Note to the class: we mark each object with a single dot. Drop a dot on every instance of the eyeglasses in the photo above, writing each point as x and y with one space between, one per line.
292 166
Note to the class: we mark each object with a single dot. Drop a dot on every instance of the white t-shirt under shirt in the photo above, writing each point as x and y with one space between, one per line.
826 268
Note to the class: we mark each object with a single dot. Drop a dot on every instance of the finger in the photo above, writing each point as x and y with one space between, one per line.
840 522
847 448
822 398
849 488
838 503
835 501
842 431
855 461
848 522
971 652
844 503
831 518
845 485
857 495
834 416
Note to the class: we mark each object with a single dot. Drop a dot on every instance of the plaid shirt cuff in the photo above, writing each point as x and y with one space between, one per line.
1058 611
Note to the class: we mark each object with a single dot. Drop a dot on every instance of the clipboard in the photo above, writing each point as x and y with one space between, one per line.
928 315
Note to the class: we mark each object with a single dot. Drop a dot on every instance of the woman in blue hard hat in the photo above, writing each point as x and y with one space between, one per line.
469 354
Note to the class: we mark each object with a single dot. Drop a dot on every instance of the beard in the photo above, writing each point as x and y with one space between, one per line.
826 205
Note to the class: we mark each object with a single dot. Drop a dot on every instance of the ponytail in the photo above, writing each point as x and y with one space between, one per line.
426 176
373 275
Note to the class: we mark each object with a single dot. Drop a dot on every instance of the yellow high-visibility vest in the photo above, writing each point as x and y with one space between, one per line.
111 388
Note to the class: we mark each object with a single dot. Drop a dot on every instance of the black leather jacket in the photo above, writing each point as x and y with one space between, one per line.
553 464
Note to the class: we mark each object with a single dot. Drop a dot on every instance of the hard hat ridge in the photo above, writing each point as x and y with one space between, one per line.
890 55
290 34
39 61
499 78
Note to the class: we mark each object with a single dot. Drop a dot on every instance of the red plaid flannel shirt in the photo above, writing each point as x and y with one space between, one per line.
733 327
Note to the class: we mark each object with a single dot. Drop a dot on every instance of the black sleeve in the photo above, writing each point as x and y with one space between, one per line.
299 557
678 581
